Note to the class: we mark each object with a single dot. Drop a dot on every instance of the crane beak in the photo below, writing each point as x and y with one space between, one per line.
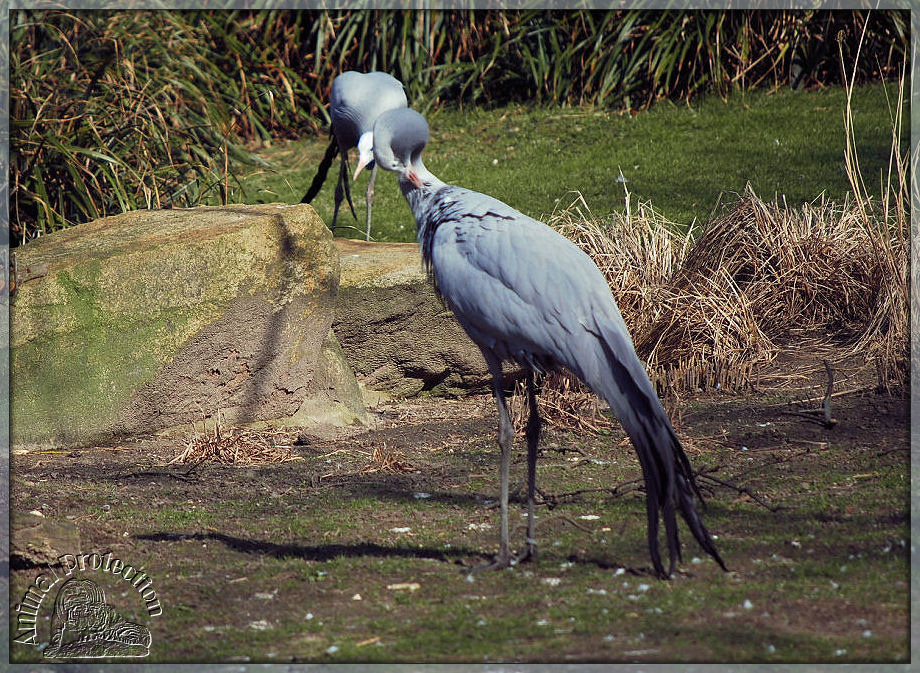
362 162
365 152
413 177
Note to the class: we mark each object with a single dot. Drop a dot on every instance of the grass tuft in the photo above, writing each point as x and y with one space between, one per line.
239 446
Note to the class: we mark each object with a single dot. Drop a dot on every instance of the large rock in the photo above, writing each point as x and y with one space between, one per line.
397 335
38 540
154 319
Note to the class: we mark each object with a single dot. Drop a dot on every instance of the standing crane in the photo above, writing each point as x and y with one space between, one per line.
356 102
525 293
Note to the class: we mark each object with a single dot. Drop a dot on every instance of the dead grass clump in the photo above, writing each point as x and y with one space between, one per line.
886 337
707 335
813 263
239 446
711 311
389 460
637 252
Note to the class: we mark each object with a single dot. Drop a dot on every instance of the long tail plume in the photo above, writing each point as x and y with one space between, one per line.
322 171
669 482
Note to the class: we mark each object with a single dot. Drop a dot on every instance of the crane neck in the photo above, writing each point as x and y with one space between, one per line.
418 197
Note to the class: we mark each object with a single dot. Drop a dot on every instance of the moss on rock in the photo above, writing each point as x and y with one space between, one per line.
153 319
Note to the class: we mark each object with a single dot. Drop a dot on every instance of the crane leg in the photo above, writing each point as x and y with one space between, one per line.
339 192
533 440
342 190
505 436
370 201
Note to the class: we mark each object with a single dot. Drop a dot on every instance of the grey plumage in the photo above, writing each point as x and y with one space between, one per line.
525 293
357 100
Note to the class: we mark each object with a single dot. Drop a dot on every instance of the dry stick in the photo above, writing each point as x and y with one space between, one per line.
551 500
849 391
777 460
744 490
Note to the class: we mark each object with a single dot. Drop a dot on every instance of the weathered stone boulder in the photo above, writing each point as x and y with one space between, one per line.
397 335
38 540
155 319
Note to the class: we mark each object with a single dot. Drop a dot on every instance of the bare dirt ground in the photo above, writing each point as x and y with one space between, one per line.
359 549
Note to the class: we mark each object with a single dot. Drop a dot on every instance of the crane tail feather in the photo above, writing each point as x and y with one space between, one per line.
321 172
669 481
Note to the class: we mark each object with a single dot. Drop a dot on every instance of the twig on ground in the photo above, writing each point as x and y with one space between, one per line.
745 491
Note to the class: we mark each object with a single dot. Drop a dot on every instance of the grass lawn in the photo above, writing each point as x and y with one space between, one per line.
329 559
683 159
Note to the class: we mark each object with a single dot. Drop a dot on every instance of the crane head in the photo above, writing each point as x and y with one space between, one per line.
399 137
365 152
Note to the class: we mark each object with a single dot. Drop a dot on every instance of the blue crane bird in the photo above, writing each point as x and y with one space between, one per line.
357 100
525 293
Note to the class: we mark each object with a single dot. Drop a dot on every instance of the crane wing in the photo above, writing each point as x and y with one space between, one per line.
514 280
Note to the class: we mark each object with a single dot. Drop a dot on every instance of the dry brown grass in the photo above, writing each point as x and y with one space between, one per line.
564 402
886 336
638 252
710 310
239 446
389 460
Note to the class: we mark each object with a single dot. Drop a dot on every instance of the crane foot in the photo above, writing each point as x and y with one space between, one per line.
528 553
500 562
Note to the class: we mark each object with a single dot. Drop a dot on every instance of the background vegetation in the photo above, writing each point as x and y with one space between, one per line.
687 160
113 111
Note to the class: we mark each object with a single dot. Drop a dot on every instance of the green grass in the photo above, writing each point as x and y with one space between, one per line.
683 159
301 561
808 581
